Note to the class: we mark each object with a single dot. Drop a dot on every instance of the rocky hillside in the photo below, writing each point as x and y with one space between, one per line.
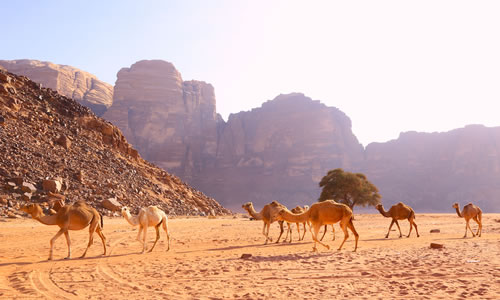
171 122
54 148
430 171
68 81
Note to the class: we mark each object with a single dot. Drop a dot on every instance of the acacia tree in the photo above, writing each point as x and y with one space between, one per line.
348 188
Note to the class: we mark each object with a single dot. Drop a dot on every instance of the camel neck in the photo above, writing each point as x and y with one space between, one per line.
254 214
46 220
132 220
458 212
383 212
296 218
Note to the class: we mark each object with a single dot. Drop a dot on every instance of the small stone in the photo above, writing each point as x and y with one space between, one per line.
436 246
16 180
26 197
53 186
28 187
64 141
246 256
435 231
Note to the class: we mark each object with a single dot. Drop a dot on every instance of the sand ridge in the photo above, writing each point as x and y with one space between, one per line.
204 262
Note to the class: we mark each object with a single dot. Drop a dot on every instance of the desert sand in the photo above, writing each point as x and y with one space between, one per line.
205 262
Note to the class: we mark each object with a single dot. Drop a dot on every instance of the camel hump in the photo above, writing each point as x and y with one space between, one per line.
401 204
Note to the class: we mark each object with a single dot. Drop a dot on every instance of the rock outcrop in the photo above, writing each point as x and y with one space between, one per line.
430 171
100 163
67 81
279 151
170 122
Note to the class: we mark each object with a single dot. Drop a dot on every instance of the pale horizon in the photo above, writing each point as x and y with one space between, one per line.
390 66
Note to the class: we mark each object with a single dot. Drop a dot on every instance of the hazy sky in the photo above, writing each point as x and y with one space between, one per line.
391 66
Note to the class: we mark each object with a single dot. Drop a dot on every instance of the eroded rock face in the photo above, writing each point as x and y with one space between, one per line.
279 151
171 123
68 81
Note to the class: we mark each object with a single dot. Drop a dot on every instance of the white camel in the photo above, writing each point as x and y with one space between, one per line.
148 217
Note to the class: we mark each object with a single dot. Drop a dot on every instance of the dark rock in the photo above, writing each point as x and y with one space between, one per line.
436 246
111 204
246 256
435 231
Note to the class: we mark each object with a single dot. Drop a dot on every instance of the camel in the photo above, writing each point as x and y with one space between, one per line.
267 215
470 211
323 213
297 210
324 233
397 212
71 217
147 217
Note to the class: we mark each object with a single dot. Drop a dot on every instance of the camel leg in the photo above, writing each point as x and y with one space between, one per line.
397 224
281 231
58 234
139 234
333 229
165 227
157 227
479 221
264 232
356 235
144 235
103 238
392 223
324 232
304 232
414 225
68 242
290 231
468 226
343 226
315 237
287 232
411 227
298 231
92 229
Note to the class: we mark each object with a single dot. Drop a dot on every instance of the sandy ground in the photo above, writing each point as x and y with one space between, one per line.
204 262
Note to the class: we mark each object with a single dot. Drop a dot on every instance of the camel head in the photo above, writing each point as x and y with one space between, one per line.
455 205
32 209
306 207
379 206
247 205
125 211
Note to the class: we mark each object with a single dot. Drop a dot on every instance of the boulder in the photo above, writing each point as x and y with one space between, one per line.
26 197
111 204
16 180
53 186
64 141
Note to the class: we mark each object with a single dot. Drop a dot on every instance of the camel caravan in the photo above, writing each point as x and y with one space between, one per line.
79 216
329 212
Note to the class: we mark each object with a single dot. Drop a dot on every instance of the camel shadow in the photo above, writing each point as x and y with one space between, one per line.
22 263
286 257
383 239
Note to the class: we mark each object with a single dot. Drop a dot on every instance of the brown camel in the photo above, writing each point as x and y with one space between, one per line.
296 210
323 213
397 212
471 211
71 217
267 215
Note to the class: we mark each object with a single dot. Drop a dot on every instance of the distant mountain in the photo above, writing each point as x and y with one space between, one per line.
68 81
430 171
44 135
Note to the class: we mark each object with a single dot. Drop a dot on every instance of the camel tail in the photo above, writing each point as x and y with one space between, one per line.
413 214
102 221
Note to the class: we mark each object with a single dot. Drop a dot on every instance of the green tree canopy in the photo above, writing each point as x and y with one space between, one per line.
348 188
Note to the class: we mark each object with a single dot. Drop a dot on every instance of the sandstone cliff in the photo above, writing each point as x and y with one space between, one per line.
68 81
44 135
430 171
279 151
172 123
